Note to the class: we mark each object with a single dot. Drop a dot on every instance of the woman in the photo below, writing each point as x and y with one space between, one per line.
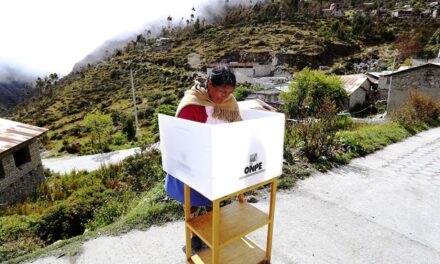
214 104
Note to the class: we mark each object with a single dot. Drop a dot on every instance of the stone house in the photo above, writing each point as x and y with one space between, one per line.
358 88
21 170
270 96
244 71
424 78
406 13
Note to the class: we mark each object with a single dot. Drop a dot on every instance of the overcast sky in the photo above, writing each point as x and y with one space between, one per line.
43 36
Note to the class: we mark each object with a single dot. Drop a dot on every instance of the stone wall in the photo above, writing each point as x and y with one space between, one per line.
20 182
425 78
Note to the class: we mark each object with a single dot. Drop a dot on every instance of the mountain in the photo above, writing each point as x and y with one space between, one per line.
162 72
15 87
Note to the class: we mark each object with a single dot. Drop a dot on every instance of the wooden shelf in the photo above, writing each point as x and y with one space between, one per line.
236 221
242 251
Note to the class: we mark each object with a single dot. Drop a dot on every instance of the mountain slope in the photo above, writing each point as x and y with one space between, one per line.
162 73
12 93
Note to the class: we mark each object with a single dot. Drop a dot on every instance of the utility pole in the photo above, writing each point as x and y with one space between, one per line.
134 103
391 79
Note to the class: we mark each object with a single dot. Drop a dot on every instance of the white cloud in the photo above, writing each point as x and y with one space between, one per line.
50 36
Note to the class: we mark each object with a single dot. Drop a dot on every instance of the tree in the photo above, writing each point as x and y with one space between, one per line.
100 127
309 89
162 109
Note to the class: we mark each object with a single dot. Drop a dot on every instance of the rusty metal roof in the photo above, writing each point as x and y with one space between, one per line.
353 82
14 133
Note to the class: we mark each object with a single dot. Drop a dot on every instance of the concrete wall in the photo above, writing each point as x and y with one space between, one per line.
425 79
262 70
20 182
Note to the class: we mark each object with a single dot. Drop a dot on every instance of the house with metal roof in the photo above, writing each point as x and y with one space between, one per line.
21 171
358 88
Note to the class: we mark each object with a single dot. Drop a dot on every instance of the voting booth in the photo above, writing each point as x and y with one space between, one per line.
221 161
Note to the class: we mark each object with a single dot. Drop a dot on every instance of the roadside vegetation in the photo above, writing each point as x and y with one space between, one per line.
90 111
129 195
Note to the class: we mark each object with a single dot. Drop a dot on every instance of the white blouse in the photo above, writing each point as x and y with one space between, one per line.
212 120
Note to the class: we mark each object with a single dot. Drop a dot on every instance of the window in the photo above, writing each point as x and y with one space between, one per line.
2 170
22 156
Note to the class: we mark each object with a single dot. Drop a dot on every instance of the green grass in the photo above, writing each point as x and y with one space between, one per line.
366 139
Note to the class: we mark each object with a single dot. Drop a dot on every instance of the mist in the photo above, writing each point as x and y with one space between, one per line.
49 37
211 11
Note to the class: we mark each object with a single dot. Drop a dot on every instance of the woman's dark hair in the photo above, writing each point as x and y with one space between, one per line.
222 75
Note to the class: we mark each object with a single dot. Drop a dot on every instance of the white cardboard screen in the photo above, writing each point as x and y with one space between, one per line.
217 160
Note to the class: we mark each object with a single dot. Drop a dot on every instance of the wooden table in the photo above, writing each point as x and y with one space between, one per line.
224 229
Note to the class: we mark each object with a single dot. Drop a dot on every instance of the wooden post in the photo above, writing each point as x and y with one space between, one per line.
187 201
273 193
215 230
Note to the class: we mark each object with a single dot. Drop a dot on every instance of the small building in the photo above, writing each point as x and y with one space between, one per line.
358 88
335 10
406 13
424 78
21 171
244 70
270 96
380 83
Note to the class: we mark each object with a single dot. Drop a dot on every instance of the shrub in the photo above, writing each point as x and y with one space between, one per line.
18 236
418 112
316 136
142 171
119 138
240 93
106 215
308 91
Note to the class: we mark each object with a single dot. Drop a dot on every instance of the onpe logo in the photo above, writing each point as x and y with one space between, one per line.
253 158
254 164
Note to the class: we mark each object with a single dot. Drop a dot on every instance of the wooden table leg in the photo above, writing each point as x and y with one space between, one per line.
187 204
273 192
241 198
215 231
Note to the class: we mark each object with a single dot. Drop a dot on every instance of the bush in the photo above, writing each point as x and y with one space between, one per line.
308 91
240 93
418 113
142 171
119 138
106 215
316 136
18 236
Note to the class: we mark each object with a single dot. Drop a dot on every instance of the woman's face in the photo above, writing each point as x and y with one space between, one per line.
219 94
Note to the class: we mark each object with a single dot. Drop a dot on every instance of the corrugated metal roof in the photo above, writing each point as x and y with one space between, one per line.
256 104
353 82
14 133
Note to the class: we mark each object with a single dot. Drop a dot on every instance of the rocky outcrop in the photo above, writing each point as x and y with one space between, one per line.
314 56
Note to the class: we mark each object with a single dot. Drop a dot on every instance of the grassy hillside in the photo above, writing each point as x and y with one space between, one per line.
161 73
